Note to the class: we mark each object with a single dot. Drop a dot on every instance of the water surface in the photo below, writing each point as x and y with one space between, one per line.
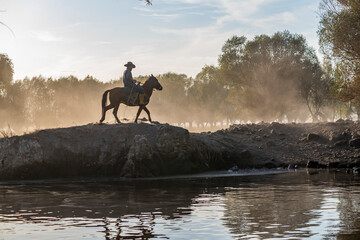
294 205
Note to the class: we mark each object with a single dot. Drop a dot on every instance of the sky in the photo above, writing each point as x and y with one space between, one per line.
55 38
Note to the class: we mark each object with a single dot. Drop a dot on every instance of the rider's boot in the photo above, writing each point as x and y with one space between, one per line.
141 99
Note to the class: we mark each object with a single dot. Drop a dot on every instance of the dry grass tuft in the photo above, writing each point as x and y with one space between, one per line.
7 132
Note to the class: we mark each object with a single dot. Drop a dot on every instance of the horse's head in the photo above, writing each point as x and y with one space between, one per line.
154 83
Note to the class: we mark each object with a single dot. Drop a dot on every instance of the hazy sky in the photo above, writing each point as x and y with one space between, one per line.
97 37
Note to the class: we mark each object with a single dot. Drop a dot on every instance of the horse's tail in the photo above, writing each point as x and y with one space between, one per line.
103 102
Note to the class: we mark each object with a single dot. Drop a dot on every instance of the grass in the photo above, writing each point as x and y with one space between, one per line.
7 132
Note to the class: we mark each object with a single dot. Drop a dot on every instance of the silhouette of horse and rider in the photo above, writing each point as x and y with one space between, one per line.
132 94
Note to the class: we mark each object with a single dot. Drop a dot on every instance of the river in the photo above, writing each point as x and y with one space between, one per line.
292 205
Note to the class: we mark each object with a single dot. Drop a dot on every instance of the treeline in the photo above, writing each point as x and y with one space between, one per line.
268 78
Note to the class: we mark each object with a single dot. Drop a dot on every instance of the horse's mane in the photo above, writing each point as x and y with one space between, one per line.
147 80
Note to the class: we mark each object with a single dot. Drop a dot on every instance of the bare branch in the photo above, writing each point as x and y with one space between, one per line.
8 28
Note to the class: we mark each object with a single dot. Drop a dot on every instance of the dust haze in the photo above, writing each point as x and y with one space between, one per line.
269 78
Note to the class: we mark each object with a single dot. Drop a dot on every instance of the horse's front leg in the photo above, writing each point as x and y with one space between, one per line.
148 112
138 113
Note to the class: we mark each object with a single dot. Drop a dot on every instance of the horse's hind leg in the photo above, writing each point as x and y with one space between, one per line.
115 113
104 111
148 113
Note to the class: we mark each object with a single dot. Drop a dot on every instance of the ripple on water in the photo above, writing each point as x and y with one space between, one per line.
283 206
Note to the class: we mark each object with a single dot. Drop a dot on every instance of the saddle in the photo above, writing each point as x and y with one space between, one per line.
133 99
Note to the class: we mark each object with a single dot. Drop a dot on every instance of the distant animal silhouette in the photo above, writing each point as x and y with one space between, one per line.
121 95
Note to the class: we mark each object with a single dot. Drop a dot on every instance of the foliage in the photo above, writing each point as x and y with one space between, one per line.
339 37
6 71
339 29
273 75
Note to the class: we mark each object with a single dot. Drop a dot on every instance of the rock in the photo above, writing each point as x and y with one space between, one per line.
143 150
139 152
313 137
275 124
235 168
272 164
336 137
245 154
314 164
256 138
355 163
238 128
144 119
334 165
293 166
355 143
341 143
170 138
343 165
270 144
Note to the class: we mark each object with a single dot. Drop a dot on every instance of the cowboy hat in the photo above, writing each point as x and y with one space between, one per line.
129 64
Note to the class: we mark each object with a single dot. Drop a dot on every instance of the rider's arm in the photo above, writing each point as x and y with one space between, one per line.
128 76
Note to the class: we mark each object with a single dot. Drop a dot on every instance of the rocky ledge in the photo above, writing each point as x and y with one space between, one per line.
146 150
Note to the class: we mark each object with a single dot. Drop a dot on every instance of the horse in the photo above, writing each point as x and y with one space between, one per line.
121 95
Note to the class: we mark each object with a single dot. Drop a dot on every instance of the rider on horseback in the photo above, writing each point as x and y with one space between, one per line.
131 83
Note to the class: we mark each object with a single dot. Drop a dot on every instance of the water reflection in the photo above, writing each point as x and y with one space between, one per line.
298 205
121 210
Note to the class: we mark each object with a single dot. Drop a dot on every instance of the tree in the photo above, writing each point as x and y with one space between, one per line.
6 71
210 93
231 59
6 77
273 76
339 29
339 38
172 102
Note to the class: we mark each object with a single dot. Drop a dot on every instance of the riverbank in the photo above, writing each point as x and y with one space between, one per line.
150 150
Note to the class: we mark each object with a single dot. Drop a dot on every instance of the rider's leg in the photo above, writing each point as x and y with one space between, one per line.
141 92
141 99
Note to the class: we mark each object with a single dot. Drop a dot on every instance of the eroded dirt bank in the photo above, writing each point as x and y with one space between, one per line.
145 150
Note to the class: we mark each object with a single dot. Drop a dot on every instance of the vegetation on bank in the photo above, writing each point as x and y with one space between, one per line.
268 78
